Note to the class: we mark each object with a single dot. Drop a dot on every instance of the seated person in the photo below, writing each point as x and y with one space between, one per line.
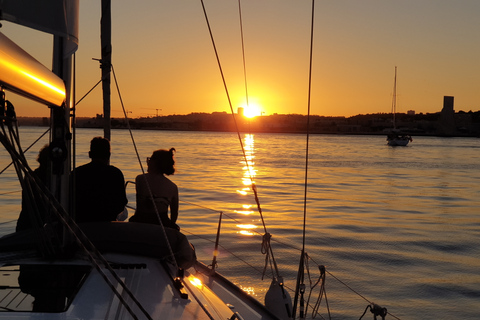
99 188
34 210
156 193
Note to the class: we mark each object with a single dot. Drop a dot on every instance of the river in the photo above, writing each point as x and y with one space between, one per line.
399 225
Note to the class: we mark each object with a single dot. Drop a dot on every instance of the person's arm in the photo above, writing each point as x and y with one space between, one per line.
120 196
139 190
124 192
174 206
137 187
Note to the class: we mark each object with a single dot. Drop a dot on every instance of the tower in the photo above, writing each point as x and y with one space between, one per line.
447 117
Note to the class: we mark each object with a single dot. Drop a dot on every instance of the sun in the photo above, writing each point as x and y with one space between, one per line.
251 110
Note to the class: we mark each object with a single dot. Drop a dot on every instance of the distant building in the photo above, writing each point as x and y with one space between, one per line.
240 111
411 112
447 117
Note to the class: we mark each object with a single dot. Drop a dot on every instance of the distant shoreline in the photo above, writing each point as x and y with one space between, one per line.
460 124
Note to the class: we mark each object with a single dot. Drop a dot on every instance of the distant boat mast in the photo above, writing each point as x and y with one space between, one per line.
394 100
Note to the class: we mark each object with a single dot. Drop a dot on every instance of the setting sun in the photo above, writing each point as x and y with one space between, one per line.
251 110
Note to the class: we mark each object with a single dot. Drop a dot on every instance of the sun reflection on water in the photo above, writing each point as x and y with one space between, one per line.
244 191
247 229
249 173
249 290
246 210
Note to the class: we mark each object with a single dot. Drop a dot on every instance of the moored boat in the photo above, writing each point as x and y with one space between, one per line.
396 137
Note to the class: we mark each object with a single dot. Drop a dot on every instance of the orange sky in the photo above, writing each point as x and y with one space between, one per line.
163 57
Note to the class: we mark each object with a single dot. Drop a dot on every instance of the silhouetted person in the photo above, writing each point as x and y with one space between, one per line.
33 205
163 190
99 188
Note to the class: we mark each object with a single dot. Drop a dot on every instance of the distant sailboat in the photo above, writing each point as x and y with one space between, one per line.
395 137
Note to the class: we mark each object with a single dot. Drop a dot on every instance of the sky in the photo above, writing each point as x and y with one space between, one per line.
165 63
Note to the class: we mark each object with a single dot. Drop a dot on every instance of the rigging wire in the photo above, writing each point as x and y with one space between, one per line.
11 143
73 124
254 188
243 53
74 114
174 261
29 147
247 163
300 276
266 244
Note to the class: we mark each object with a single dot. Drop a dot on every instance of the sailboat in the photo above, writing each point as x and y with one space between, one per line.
395 137
59 269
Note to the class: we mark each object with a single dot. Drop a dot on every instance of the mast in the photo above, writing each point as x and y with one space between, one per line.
59 18
60 144
394 101
106 63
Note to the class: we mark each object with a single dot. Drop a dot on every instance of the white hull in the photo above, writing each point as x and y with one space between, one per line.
72 288
398 142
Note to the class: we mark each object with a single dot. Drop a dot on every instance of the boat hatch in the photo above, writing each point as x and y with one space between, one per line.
40 287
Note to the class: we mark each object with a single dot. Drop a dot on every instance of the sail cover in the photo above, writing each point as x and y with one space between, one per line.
21 73
58 17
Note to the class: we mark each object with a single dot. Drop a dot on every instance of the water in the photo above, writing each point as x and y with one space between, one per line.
400 226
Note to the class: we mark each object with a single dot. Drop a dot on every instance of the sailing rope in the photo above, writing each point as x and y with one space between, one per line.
253 185
300 287
170 250
26 149
322 292
243 55
74 110
376 310
27 178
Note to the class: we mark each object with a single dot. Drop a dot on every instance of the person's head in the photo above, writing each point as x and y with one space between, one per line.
44 155
99 149
162 162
